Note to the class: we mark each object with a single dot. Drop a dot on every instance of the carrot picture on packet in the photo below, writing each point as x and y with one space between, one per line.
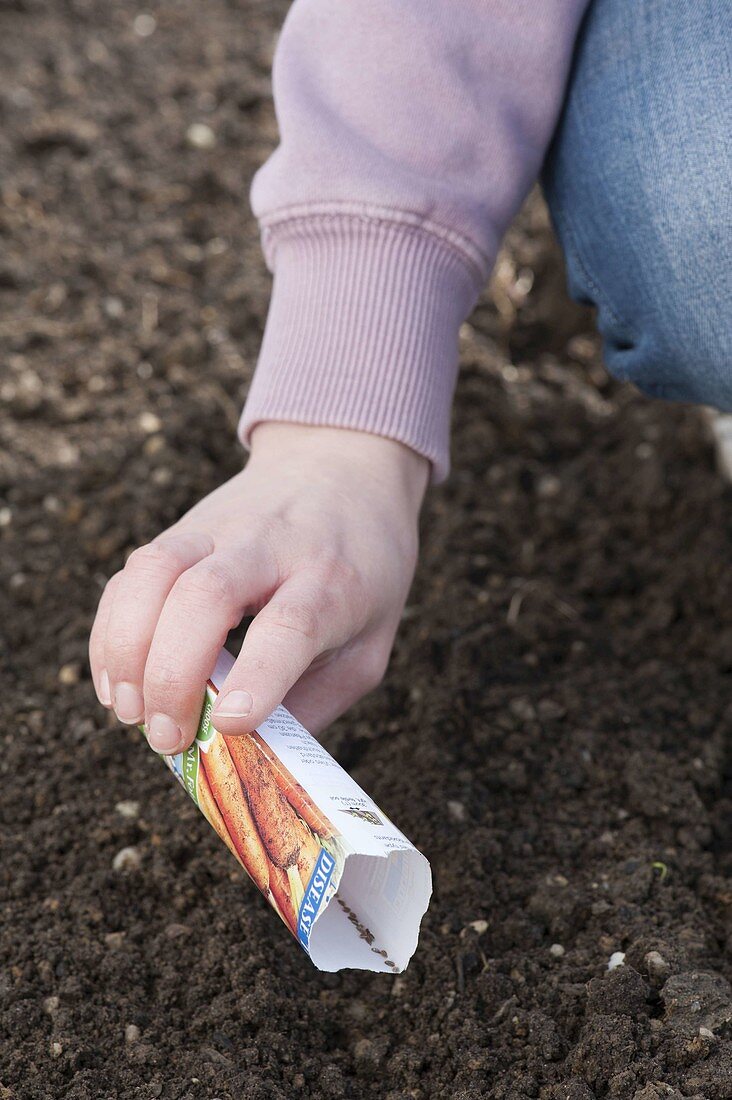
295 793
225 785
260 811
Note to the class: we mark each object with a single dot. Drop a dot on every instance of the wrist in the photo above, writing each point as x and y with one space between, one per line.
343 452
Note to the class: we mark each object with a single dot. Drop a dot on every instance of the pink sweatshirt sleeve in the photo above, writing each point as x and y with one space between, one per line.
411 131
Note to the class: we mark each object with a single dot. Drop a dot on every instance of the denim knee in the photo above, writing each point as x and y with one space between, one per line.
674 339
637 182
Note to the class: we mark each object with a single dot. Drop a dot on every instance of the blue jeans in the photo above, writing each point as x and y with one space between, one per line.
639 184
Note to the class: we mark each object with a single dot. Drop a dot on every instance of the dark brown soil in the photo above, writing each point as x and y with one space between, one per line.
553 731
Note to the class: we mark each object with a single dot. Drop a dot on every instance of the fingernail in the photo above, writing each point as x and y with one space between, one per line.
236 704
128 703
105 693
164 734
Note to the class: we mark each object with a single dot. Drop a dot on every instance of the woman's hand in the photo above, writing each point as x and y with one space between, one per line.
317 538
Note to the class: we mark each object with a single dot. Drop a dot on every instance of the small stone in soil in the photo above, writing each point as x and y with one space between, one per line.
127 859
69 674
114 308
128 809
456 810
149 422
556 951
200 136
132 1033
616 959
144 25
50 1005
548 486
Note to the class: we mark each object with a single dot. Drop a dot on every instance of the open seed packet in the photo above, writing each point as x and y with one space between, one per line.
347 883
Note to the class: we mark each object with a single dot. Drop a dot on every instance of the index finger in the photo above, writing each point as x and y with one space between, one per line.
205 603
300 622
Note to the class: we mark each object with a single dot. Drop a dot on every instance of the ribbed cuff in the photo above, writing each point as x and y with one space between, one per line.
362 330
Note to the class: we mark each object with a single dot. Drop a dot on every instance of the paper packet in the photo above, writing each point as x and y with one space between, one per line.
346 882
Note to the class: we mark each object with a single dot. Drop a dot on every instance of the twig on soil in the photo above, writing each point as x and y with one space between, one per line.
517 599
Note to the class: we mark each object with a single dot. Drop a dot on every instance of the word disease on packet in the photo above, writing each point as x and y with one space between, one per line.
346 882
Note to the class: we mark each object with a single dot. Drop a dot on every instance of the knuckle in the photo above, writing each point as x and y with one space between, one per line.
121 650
156 557
297 616
340 591
274 530
206 582
163 681
334 573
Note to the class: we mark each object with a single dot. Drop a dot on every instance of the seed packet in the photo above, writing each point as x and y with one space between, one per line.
345 881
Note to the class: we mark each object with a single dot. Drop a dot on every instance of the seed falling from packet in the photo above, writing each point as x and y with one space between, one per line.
346 882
